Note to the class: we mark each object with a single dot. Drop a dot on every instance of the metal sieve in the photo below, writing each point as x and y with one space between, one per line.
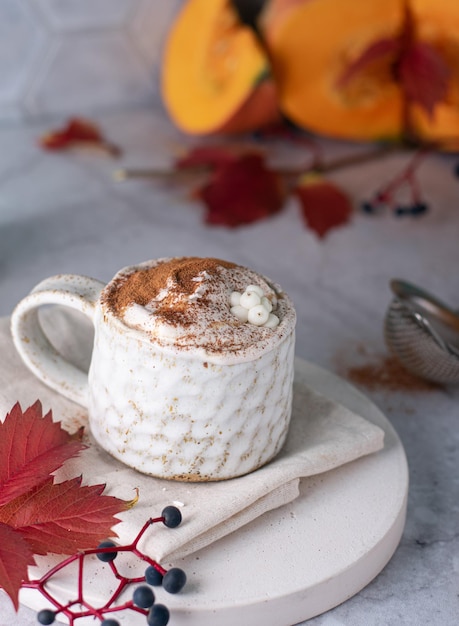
423 333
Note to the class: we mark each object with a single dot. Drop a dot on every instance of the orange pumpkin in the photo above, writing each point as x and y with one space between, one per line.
216 75
312 43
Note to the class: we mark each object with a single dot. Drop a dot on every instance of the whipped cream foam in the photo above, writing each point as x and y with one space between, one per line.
185 303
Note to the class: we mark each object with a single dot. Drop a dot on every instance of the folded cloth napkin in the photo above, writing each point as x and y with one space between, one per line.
323 435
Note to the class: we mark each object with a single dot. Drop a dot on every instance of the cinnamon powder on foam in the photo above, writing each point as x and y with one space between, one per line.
186 293
144 285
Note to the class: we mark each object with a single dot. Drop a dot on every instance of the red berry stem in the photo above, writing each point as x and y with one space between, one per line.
111 550
407 176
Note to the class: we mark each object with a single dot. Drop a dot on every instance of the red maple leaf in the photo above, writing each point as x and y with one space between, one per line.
241 189
76 132
37 515
324 206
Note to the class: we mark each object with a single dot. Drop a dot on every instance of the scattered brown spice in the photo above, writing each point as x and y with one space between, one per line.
387 373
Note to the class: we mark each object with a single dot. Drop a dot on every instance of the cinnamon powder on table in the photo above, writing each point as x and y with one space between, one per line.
383 372
388 373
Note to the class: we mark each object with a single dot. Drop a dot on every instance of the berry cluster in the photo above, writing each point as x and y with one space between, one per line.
143 598
387 196
411 210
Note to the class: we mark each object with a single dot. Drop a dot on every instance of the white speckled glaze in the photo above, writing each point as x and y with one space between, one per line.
176 414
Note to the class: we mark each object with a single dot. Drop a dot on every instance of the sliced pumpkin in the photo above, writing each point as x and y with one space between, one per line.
216 75
437 25
333 64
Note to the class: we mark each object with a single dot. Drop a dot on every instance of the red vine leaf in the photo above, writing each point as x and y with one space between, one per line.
422 73
75 133
31 448
424 76
38 516
15 557
324 206
63 517
241 191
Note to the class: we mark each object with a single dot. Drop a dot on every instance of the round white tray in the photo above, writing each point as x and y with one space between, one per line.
297 561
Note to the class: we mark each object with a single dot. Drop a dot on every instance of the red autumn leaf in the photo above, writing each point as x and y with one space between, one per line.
15 557
64 517
424 76
422 72
35 446
37 515
242 191
77 131
324 206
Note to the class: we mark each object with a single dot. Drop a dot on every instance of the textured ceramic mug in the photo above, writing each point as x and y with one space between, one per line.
145 406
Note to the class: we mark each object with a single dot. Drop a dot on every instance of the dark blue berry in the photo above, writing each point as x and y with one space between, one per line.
107 556
153 576
456 170
143 597
172 516
368 207
110 622
158 615
419 208
400 211
46 616
174 580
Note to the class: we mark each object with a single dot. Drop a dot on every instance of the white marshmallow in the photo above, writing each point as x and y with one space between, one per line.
258 315
235 298
258 290
272 321
249 299
267 304
240 312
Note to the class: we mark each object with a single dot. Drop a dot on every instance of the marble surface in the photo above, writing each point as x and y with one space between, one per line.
56 55
63 213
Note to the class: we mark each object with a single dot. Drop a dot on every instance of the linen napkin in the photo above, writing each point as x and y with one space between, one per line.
323 435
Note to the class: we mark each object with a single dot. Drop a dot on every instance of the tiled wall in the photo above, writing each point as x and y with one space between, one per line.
77 56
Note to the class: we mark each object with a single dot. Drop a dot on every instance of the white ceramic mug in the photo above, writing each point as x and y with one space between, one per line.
146 407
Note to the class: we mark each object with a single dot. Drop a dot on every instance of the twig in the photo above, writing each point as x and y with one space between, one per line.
122 175
163 175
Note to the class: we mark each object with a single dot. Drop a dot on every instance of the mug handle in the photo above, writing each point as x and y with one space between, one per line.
40 356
